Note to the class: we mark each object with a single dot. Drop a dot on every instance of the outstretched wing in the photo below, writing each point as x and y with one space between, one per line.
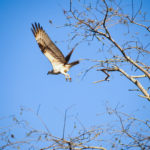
67 58
46 45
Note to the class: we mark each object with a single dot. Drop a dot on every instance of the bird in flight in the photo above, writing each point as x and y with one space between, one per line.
59 63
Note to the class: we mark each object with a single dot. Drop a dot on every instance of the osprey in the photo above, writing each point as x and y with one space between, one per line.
49 49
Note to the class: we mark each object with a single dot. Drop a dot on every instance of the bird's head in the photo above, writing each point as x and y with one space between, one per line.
52 72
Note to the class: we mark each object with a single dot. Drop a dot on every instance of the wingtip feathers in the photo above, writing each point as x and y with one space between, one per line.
36 27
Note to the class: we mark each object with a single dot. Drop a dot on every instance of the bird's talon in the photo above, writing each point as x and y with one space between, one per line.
66 79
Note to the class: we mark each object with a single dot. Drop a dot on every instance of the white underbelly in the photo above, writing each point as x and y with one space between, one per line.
58 67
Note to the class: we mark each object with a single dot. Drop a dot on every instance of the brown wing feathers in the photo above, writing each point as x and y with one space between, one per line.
46 45
67 58
35 30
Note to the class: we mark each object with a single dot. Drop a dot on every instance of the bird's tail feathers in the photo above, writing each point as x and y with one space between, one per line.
73 63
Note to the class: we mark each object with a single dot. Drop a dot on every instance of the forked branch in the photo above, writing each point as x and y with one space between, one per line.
131 78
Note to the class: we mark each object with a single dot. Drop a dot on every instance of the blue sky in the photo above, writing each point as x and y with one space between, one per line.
24 80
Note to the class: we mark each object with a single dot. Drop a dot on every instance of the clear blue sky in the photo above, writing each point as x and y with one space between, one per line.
24 80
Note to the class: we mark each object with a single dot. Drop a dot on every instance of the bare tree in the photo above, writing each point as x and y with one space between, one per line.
124 131
97 20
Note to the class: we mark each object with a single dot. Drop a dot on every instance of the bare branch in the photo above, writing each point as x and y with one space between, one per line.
142 25
136 82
